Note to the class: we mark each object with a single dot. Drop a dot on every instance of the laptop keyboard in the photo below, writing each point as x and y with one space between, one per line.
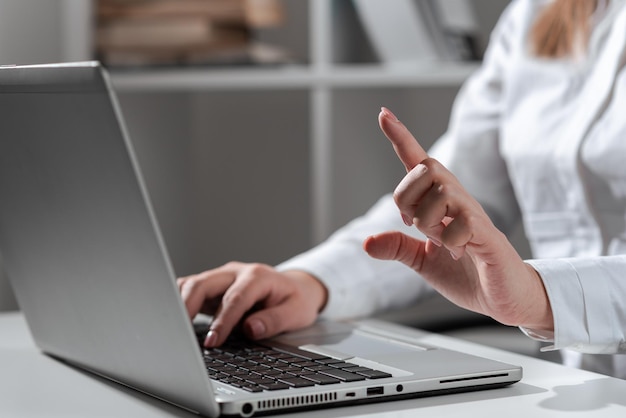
256 367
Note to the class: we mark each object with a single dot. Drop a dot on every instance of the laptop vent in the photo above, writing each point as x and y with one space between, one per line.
297 401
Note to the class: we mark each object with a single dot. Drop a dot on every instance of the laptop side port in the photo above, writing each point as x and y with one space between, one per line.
376 390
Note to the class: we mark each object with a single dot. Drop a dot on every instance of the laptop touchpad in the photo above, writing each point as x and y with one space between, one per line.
355 344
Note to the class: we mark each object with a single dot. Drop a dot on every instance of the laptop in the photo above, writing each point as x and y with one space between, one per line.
81 245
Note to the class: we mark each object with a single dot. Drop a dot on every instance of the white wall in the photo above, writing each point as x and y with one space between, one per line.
30 31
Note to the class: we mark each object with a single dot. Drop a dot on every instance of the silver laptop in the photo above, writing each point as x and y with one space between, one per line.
82 248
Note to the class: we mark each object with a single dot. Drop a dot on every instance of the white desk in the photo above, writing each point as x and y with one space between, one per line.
34 385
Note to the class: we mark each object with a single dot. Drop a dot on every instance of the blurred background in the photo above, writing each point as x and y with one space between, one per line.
255 121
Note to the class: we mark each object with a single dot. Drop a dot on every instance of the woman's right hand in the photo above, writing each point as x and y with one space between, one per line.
466 258
266 302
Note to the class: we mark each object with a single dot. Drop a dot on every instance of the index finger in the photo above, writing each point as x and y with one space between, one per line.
404 143
238 299
196 290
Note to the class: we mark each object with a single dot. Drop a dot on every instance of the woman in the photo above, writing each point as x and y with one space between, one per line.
539 133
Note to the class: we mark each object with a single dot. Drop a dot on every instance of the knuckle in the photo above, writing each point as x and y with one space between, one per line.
257 269
420 223
431 164
192 284
472 221
232 265
410 258
400 194
443 190
260 273
397 195
235 297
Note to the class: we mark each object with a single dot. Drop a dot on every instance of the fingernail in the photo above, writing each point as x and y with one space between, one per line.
257 328
420 168
211 339
389 114
454 256
407 221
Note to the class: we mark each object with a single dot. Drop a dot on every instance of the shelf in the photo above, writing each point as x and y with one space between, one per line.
290 77
432 74
193 79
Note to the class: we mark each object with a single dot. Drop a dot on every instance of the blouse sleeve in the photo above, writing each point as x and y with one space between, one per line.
587 299
359 285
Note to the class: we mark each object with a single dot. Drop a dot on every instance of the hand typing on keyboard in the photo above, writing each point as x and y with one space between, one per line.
264 301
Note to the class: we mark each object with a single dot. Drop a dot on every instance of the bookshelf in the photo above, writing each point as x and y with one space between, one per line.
259 163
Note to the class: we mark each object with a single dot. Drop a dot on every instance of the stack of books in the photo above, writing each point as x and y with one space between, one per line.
184 32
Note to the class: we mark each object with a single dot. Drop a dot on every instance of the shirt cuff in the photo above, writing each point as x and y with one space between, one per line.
541 336
578 298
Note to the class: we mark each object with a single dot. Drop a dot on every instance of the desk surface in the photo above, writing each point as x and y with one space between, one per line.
35 385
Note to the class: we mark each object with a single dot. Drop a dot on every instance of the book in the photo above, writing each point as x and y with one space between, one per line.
247 54
222 10
261 14
252 13
154 33
181 32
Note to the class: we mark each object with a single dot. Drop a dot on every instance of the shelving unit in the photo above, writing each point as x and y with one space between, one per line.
258 164
330 148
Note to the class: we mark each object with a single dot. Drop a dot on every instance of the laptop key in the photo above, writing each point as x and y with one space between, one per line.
273 372
275 386
369 373
297 382
260 381
341 365
241 373
252 388
321 379
343 375
308 355
304 364
328 361
288 368
317 368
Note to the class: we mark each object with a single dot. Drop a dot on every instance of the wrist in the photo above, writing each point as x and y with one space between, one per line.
541 320
313 288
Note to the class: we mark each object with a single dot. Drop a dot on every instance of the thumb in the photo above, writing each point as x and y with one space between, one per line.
396 246
404 143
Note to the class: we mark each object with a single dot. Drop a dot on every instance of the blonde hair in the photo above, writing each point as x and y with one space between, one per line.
560 25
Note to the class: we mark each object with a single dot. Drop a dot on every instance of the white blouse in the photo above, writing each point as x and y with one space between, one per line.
540 139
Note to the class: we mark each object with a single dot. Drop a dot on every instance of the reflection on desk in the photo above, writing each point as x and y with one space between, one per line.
35 385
